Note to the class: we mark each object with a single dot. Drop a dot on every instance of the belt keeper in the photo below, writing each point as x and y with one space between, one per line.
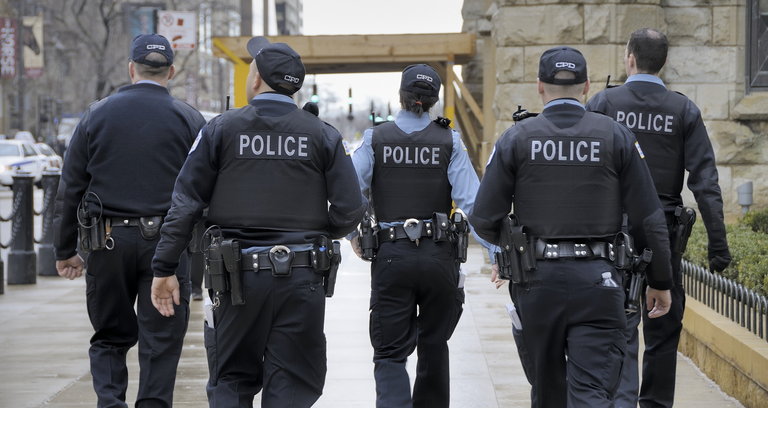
255 262
552 250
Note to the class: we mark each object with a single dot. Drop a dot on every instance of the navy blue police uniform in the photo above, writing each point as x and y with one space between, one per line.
124 157
414 167
568 174
669 127
266 172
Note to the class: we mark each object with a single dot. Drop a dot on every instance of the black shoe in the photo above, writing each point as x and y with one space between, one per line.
197 296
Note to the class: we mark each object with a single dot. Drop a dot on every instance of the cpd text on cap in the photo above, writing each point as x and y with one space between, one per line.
160 47
291 79
424 77
566 65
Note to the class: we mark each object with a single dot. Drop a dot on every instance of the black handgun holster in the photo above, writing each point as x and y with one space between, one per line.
329 282
232 257
516 258
685 217
326 257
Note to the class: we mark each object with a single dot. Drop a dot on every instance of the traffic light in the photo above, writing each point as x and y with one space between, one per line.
314 97
350 117
389 110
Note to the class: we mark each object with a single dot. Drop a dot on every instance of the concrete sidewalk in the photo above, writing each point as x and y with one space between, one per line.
46 332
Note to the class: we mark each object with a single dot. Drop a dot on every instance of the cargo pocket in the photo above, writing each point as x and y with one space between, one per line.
92 301
209 338
459 309
614 363
522 351
374 325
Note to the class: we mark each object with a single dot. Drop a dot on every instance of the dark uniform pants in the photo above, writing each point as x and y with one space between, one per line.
406 278
572 343
114 280
274 342
662 337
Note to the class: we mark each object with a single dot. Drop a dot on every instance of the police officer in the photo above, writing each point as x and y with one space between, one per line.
669 127
568 174
123 159
413 168
266 172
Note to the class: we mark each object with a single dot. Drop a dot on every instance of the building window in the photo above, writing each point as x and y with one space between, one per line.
757 45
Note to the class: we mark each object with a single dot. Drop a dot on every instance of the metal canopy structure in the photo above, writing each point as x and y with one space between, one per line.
380 53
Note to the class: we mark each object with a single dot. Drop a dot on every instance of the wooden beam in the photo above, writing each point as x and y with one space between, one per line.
364 53
467 96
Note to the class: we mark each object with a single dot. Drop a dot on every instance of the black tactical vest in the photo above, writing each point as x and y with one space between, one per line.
656 119
410 172
566 182
271 172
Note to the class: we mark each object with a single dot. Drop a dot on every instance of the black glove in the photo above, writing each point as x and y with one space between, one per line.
720 262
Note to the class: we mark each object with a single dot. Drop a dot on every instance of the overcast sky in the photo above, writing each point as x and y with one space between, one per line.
332 17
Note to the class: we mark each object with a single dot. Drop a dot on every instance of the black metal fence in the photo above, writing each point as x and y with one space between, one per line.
728 298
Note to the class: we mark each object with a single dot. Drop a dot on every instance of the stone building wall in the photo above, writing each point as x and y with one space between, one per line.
706 62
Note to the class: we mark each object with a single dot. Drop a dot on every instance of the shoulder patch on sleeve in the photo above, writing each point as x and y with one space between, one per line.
639 150
464 147
197 141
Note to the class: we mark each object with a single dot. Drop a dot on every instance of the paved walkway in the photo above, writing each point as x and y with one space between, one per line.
44 349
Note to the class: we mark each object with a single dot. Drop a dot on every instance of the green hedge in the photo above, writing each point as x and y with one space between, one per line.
757 220
749 249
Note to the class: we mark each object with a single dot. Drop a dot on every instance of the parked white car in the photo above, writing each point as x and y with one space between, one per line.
54 160
18 155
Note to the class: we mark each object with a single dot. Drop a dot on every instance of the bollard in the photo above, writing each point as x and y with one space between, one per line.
46 260
22 260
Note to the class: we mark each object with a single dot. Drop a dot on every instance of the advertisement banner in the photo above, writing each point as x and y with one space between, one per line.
8 38
32 38
180 28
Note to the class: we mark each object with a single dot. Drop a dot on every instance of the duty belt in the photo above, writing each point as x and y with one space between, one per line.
397 232
260 261
588 249
123 222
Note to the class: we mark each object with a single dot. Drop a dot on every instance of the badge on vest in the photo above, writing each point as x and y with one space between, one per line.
273 145
411 155
566 151
648 122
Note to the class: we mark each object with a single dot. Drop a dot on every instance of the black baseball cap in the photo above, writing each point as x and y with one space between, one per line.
420 73
144 44
562 58
278 64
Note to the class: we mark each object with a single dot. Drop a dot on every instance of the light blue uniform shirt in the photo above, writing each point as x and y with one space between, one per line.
646 78
461 174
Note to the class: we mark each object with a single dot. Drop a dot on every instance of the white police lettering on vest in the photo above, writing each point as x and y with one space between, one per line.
411 155
568 151
273 145
657 123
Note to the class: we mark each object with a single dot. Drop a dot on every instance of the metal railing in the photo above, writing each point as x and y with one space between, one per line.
728 298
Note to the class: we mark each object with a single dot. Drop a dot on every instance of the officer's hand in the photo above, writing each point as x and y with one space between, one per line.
657 302
719 263
70 268
165 292
356 246
495 276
